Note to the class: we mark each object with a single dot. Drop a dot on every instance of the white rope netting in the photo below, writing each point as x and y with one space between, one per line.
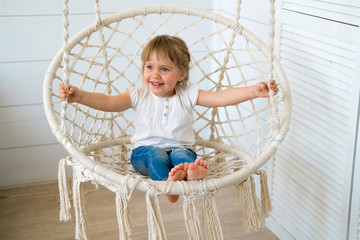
105 57
247 125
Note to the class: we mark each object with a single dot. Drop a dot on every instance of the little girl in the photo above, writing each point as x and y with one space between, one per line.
164 136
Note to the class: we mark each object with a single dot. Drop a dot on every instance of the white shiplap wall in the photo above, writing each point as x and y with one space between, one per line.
312 171
354 228
31 34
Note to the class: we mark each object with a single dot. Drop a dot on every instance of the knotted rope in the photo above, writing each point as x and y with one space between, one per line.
66 71
273 101
236 29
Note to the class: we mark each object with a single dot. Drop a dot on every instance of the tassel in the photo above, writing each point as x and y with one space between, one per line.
63 192
266 206
211 219
192 222
251 217
255 200
155 225
78 198
122 212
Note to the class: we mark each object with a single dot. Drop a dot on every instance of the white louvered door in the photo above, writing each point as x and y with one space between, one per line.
315 178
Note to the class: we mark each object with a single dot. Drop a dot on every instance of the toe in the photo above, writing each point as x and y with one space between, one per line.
206 165
191 165
179 166
186 166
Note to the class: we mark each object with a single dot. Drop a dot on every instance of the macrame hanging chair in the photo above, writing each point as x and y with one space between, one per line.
236 141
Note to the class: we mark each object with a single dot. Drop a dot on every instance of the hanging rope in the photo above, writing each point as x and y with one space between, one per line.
211 218
78 199
63 192
191 218
266 206
100 27
237 29
247 196
156 229
122 213
274 105
65 47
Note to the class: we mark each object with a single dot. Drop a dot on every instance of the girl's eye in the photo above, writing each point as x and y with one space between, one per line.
149 67
164 70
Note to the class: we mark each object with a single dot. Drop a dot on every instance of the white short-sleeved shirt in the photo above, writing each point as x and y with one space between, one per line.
164 122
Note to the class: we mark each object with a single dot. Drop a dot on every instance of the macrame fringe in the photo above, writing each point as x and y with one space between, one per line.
266 206
65 205
155 224
247 195
192 222
78 198
122 212
211 219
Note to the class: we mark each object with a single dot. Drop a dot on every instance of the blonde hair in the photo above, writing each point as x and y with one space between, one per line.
174 49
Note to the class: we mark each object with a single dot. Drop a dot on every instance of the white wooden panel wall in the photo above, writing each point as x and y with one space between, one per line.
312 179
354 228
31 34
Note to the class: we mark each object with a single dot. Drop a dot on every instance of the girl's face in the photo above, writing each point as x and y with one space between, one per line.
161 75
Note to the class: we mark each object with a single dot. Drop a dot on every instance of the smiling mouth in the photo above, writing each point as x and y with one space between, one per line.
156 83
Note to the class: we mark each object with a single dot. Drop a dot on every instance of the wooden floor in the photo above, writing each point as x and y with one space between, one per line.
32 212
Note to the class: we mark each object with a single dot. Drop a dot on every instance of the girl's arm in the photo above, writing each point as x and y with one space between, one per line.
98 101
234 96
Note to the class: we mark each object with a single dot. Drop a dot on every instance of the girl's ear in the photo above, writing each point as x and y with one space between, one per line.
182 76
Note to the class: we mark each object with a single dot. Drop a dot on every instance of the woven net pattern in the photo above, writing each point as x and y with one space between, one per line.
108 61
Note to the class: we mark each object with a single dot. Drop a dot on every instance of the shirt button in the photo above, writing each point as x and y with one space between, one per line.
166 107
165 115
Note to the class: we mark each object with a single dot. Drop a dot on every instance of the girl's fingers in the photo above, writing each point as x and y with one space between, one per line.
273 85
72 90
61 90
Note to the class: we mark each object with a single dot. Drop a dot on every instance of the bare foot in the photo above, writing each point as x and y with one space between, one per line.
197 170
177 173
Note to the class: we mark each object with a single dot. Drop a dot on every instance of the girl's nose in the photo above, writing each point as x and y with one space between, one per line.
155 74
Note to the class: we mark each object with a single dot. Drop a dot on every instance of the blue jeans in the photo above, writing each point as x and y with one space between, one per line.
157 162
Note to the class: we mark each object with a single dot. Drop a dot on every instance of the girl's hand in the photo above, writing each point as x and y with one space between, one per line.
262 88
73 95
